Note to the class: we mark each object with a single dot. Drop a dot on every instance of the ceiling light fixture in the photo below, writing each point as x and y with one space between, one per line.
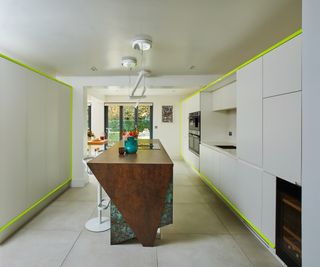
129 62
142 43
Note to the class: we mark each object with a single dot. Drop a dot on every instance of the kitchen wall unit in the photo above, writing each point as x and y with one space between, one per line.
268 112
282 69
225 98
249 113
36 129
282 136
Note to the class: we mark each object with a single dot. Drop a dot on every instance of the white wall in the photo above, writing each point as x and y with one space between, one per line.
192 104
168 133
97 116
310 133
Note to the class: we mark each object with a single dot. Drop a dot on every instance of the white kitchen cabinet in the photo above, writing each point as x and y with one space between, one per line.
249 113
282 69
225 98
228 177
209 164
13 110
282 136
248 188
268 222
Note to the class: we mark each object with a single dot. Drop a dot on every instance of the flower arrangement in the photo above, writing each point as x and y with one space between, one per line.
133 133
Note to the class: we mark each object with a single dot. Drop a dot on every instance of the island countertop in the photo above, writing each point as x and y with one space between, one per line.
143 155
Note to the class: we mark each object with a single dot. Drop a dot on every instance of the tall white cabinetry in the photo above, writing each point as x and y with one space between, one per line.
35 140
282 136
249 113
282 69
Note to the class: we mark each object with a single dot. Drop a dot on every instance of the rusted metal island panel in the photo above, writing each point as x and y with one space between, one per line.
140 187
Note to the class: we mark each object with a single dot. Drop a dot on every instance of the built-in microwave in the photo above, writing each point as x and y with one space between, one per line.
194 122
194 132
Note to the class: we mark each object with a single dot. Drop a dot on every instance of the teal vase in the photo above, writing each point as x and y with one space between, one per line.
131 145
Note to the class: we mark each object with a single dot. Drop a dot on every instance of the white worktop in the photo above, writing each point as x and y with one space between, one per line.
213 145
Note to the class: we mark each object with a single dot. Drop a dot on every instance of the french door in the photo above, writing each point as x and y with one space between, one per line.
126 117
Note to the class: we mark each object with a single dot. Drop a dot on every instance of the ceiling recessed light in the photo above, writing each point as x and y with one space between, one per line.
142 43
93 68
129 62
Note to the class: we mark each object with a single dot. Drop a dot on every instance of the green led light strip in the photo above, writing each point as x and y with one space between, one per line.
2 228
245 63
33 69
230 204
33 206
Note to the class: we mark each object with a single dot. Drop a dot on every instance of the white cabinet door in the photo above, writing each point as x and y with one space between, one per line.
13 141
282 136
249 113
224 98
228 177
248 188
282 69
206 161
209 164
268 223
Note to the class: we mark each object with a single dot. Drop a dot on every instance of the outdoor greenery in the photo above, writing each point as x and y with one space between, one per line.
128 120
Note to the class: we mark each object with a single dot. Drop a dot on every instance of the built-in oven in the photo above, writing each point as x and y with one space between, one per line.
194 132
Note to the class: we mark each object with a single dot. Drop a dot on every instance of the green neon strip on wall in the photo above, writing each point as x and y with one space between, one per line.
231 205
245 63
33 206
2 228
33 69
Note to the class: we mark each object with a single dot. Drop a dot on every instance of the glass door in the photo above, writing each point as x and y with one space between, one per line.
112 124
125 117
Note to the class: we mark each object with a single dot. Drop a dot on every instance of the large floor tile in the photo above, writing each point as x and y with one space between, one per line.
228 218
190 194
255 251
201 251
194 219
33 248
186 179
63 215
93 249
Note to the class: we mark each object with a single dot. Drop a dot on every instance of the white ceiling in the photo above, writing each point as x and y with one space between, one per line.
68 37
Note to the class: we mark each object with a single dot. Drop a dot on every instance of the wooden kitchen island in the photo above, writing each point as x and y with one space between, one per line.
140 187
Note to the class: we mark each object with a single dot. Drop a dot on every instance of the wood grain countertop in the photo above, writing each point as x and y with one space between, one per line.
143 156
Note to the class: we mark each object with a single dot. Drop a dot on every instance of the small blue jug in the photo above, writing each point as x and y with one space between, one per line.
131 145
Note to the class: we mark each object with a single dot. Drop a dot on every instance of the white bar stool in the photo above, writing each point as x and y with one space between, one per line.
100 223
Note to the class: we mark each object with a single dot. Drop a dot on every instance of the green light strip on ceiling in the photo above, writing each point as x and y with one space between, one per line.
230 204
2 228
245 63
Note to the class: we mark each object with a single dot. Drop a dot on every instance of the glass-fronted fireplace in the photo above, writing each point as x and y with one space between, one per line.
288 223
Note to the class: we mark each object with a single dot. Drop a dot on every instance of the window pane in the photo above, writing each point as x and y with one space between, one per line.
113 124
128 118
144 124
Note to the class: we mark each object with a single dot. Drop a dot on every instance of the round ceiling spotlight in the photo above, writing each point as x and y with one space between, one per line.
142 43
129 62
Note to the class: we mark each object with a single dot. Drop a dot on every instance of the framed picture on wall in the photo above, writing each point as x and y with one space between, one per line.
167 113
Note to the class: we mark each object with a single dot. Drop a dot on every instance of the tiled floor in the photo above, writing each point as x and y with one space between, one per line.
204 233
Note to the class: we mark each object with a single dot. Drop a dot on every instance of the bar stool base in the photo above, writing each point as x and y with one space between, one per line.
94 224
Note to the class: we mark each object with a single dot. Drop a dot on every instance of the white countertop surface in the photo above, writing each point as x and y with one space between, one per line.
213 145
